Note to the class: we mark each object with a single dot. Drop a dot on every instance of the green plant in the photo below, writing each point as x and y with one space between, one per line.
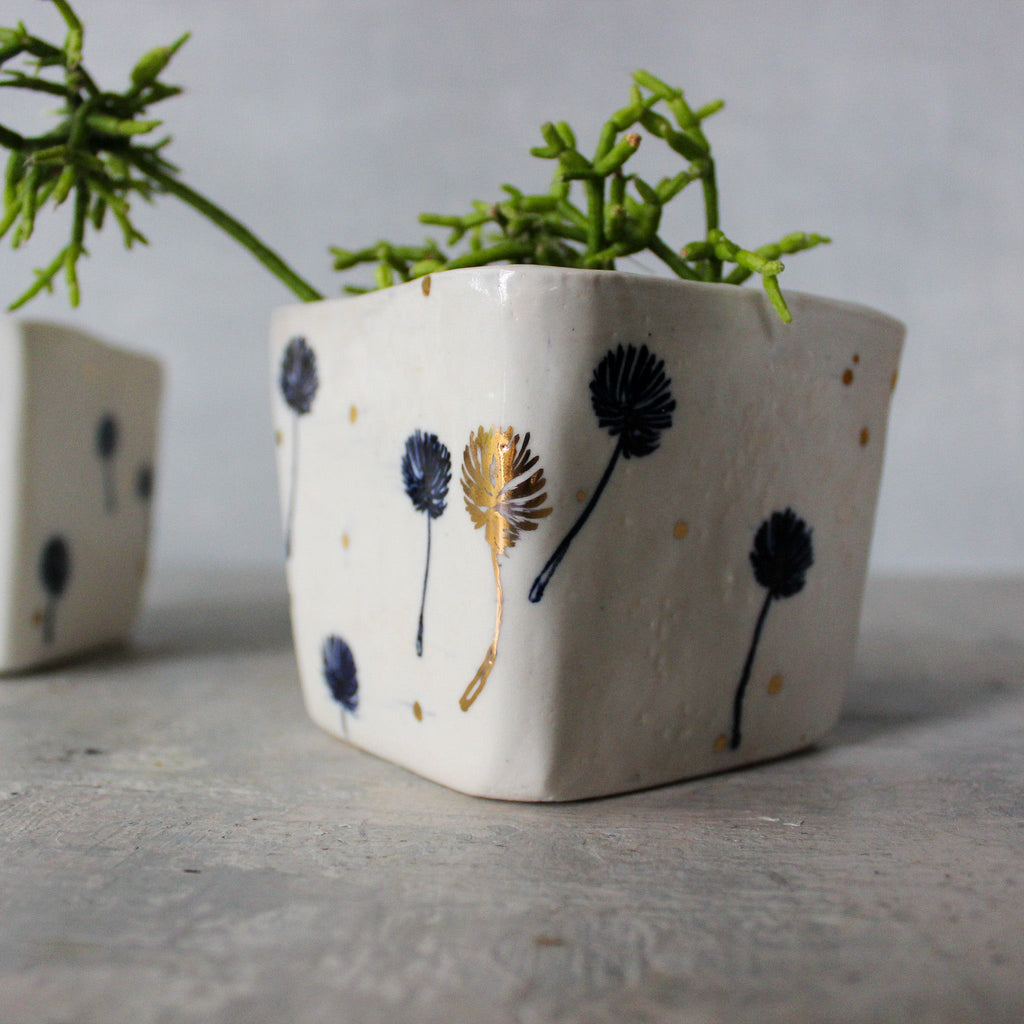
620 216
99 157
96 156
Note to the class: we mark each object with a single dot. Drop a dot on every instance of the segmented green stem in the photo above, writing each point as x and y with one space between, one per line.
92 152
620 215
232 227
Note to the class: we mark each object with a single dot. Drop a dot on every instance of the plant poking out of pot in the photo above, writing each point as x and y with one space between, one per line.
620 215
632 401
780 558
95 158
99 157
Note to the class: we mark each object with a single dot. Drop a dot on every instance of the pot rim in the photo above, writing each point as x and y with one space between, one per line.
640 280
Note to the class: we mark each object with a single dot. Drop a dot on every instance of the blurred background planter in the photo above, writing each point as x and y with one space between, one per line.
77 460
555 534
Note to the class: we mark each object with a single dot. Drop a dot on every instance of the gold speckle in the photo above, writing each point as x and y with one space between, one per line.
353 414
865 436
581 495
775 684
848 377
278 437
37 617
547 941
344 541
426 285
856 358
417 711
680 530
721 743
895 377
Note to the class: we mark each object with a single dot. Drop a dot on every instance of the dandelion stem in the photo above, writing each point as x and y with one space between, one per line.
423 599
544 578
292 488
49 620
478 682
109 487
741 689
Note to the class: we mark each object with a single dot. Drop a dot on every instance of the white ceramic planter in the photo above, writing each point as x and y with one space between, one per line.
555 534
78 428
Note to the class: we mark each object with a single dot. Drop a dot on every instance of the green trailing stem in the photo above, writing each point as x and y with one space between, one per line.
100 155
99 141
238 231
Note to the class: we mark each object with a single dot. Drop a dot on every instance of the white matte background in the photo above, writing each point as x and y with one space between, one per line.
893 126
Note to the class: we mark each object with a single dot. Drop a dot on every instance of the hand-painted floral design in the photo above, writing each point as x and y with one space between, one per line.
144 483
107 439
54 572
299 383
782 554
632 400
426 473
504 495
339 666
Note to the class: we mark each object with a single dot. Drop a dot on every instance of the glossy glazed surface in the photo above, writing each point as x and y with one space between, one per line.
652 508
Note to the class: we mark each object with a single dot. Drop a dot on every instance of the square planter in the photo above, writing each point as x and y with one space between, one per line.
78 431
555 534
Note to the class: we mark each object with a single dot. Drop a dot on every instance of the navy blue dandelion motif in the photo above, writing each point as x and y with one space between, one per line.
632 400
107 438
144 483
339 667
781 556
298 382
54 572
426 473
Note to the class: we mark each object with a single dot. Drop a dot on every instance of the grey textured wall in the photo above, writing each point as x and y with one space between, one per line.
892 126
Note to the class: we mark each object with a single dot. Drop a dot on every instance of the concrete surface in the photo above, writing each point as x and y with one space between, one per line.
179 843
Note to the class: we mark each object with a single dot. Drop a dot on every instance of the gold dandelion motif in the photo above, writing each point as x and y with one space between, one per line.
504 495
